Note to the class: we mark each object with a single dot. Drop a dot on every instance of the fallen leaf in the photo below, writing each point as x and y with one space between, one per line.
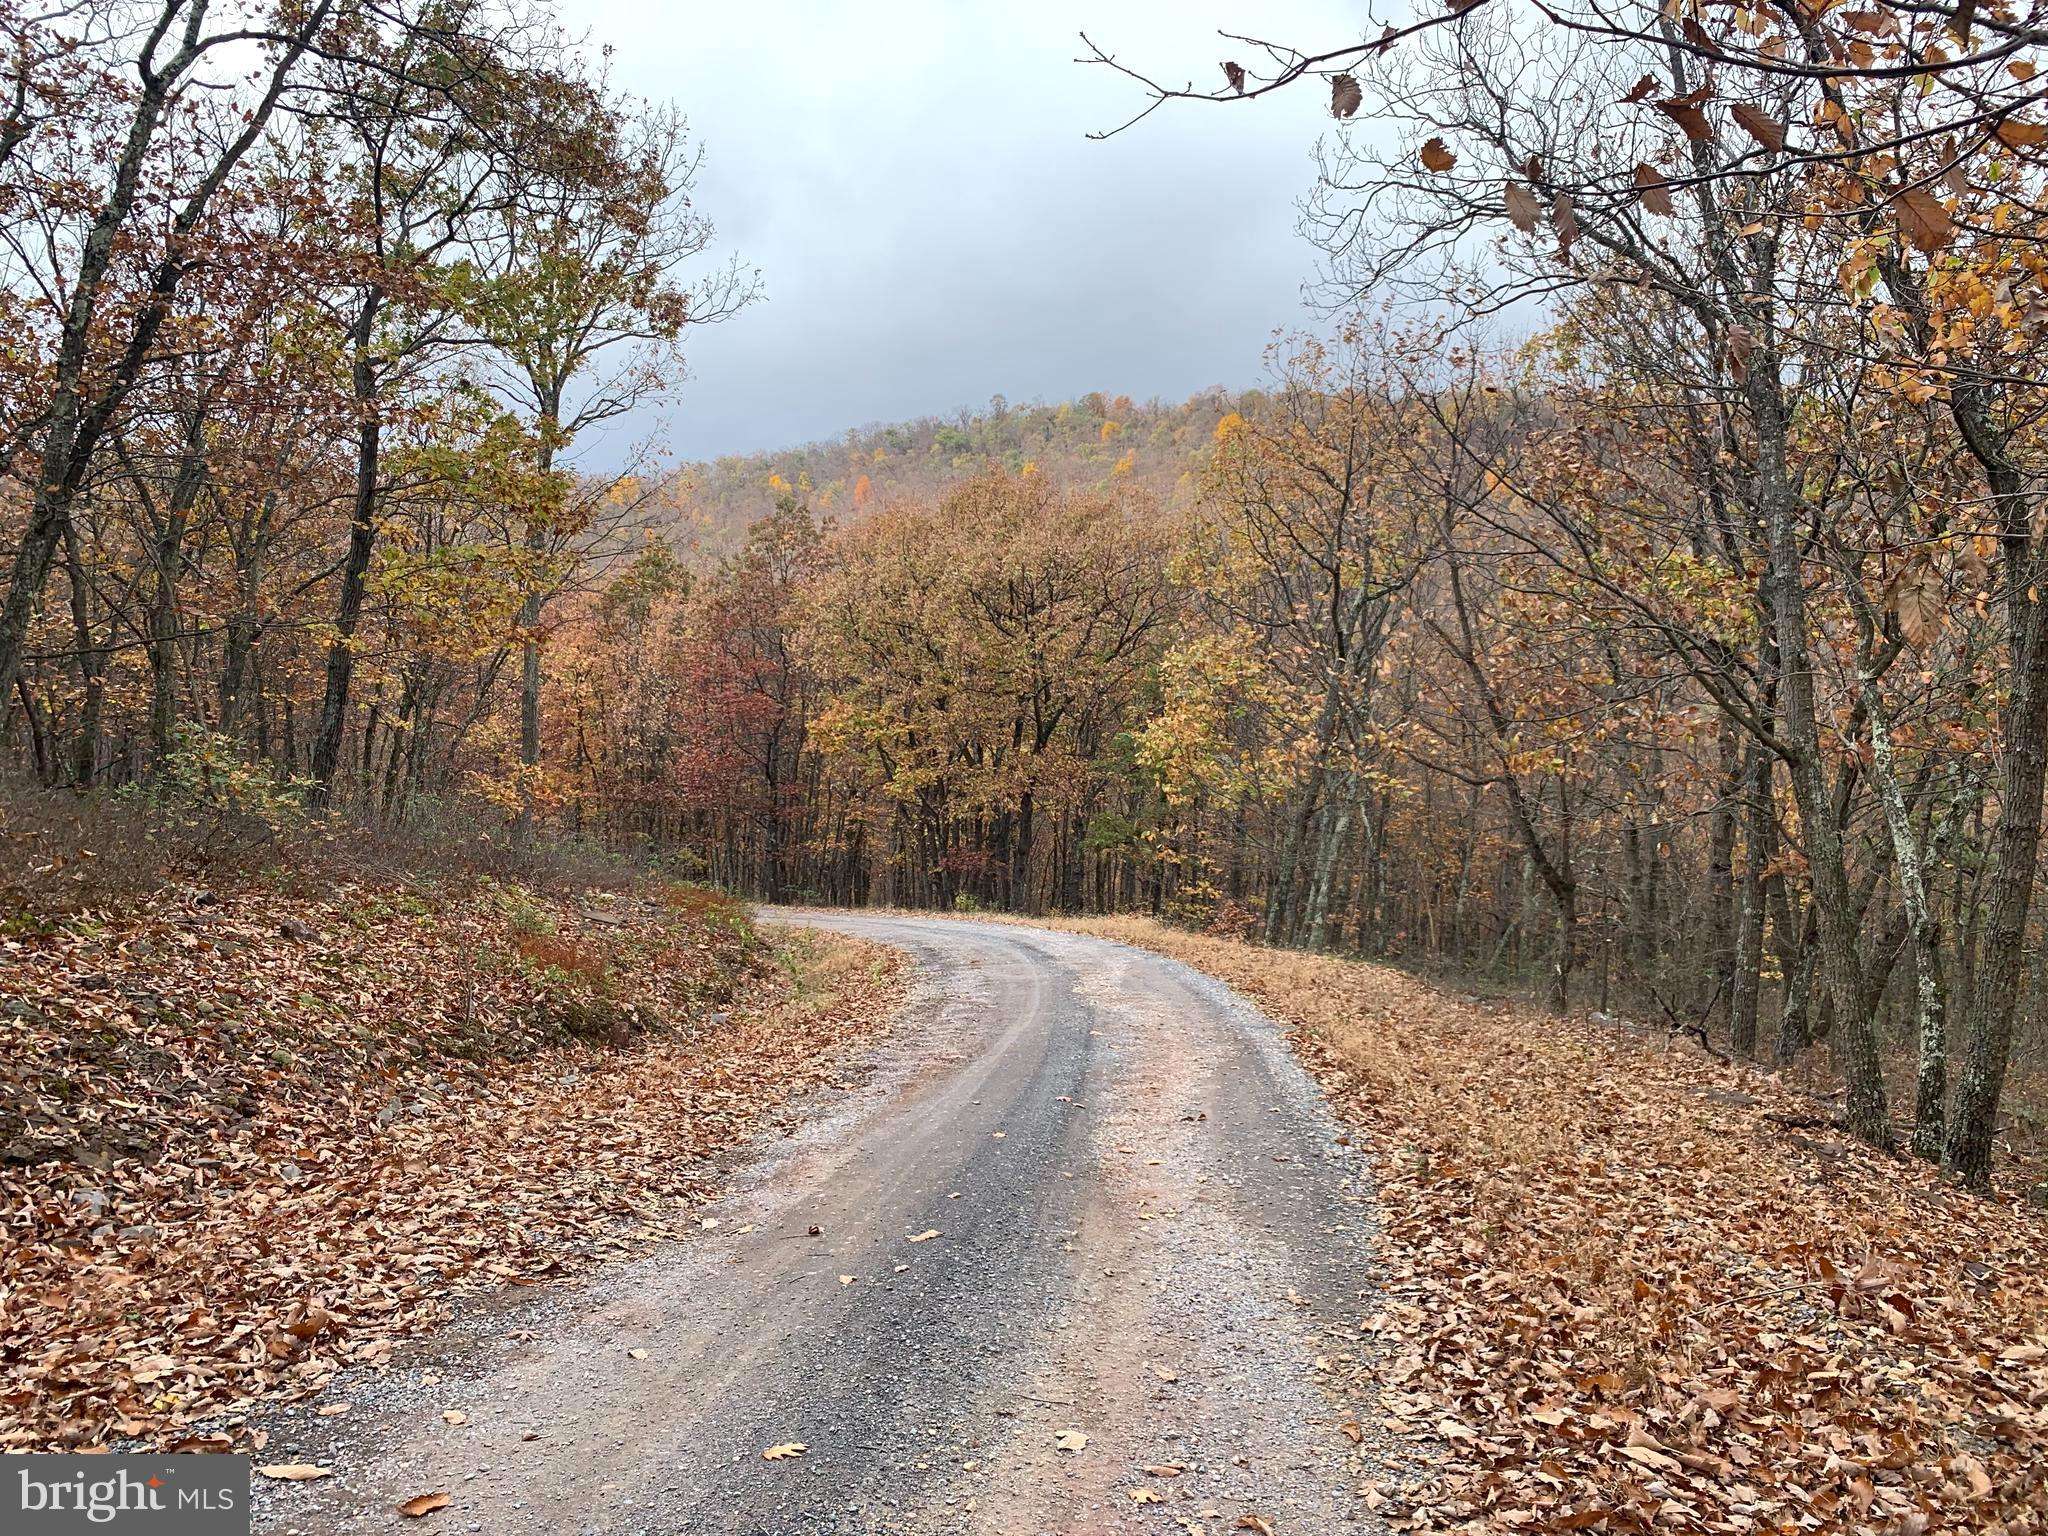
785 1451
454 1416
424 1504
1069 1440
925 1236
1644 1455
295 1471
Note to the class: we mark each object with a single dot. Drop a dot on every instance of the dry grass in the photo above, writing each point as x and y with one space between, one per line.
552 952
63 853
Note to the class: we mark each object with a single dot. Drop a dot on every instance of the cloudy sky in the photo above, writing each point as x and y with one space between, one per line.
932 227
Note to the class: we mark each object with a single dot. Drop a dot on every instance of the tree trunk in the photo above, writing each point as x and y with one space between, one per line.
1722 940
1336 835
170 569
1747 983
1922 935
531 607
92 667
355 569
1565 898
1867 1114
1795 1015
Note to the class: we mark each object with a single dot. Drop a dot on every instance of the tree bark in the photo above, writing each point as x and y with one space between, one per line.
1867 1113
1747 984
355 569
1922 934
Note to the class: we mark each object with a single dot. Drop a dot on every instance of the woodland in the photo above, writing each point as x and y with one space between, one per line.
1632 592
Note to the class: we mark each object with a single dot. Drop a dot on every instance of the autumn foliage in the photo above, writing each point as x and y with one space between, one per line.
1679 655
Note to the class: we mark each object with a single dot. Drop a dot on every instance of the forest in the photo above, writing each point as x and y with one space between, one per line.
1682 652
1441 933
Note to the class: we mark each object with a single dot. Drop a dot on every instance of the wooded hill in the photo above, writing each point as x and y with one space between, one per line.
1084 444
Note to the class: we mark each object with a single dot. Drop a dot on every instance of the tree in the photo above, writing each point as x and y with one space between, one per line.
1311 547
429 123
108 284
584 311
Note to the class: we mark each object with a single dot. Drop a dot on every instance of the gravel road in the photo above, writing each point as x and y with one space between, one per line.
1088 1233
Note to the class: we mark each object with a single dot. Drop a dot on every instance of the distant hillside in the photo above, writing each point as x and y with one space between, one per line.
1082 443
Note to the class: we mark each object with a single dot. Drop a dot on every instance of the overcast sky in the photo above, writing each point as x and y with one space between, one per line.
932 227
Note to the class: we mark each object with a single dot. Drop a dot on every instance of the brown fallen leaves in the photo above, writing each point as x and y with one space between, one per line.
294 1471
247 1141
1618 1297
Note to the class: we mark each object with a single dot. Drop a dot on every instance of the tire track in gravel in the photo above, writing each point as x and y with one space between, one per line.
1150 1232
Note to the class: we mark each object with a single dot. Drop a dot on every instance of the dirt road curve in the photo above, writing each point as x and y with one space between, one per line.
1145 1235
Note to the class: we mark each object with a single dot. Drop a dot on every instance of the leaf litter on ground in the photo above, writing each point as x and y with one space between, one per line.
248 1140
1616 1295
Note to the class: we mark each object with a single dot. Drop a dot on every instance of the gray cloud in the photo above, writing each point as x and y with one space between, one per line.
931 224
